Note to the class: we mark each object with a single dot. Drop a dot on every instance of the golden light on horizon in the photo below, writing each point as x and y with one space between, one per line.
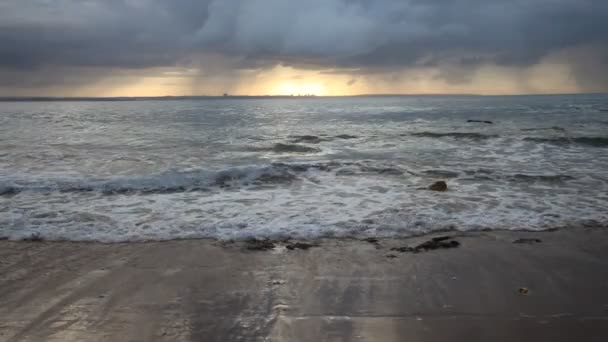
551 75
293 88
287 81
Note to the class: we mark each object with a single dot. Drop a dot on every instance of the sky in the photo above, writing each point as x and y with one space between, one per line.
285 47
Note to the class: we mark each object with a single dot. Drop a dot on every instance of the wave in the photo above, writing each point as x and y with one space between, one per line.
554 128
346 136
313 139
310 139
455 135
255 175
372 169
285 148
294 147
198 180
540 178
169 182
564 141
347 167
441 173
517 178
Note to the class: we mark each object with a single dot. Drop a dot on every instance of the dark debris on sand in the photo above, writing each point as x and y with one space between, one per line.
266 245
259 245
371 240
527 241
442 242
299 245
34 237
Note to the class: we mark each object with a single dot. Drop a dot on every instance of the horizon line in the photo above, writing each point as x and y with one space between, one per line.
227 96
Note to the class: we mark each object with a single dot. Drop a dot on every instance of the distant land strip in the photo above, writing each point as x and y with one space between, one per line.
236 97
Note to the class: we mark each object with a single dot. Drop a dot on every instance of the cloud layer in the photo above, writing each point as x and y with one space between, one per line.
359 37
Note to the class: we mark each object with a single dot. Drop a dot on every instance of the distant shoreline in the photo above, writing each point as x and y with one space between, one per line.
249 97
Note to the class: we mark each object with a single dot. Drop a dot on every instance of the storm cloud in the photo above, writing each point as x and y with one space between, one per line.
352 36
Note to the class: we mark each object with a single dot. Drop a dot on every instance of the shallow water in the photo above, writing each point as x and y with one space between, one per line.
235 168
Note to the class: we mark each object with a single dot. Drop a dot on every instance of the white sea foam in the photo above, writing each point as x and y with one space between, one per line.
362 170
343 200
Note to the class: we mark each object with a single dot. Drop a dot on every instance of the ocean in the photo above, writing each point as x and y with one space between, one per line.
115 171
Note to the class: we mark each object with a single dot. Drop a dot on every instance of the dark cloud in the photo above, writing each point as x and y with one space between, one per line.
362 35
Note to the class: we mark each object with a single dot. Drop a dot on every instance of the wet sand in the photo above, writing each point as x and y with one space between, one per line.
487 289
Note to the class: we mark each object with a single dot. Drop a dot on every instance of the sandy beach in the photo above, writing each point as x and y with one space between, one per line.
487 288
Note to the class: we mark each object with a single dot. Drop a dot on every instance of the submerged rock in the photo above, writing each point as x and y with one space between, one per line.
439 186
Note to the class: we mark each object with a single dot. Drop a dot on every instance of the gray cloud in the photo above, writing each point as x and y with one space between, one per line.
365 35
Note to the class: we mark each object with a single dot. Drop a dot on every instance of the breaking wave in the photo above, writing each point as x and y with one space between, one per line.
240 177
168 182
198 180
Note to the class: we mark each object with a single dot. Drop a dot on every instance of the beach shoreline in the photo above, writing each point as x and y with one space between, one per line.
551 285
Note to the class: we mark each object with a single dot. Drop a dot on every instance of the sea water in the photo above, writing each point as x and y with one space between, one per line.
304 167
